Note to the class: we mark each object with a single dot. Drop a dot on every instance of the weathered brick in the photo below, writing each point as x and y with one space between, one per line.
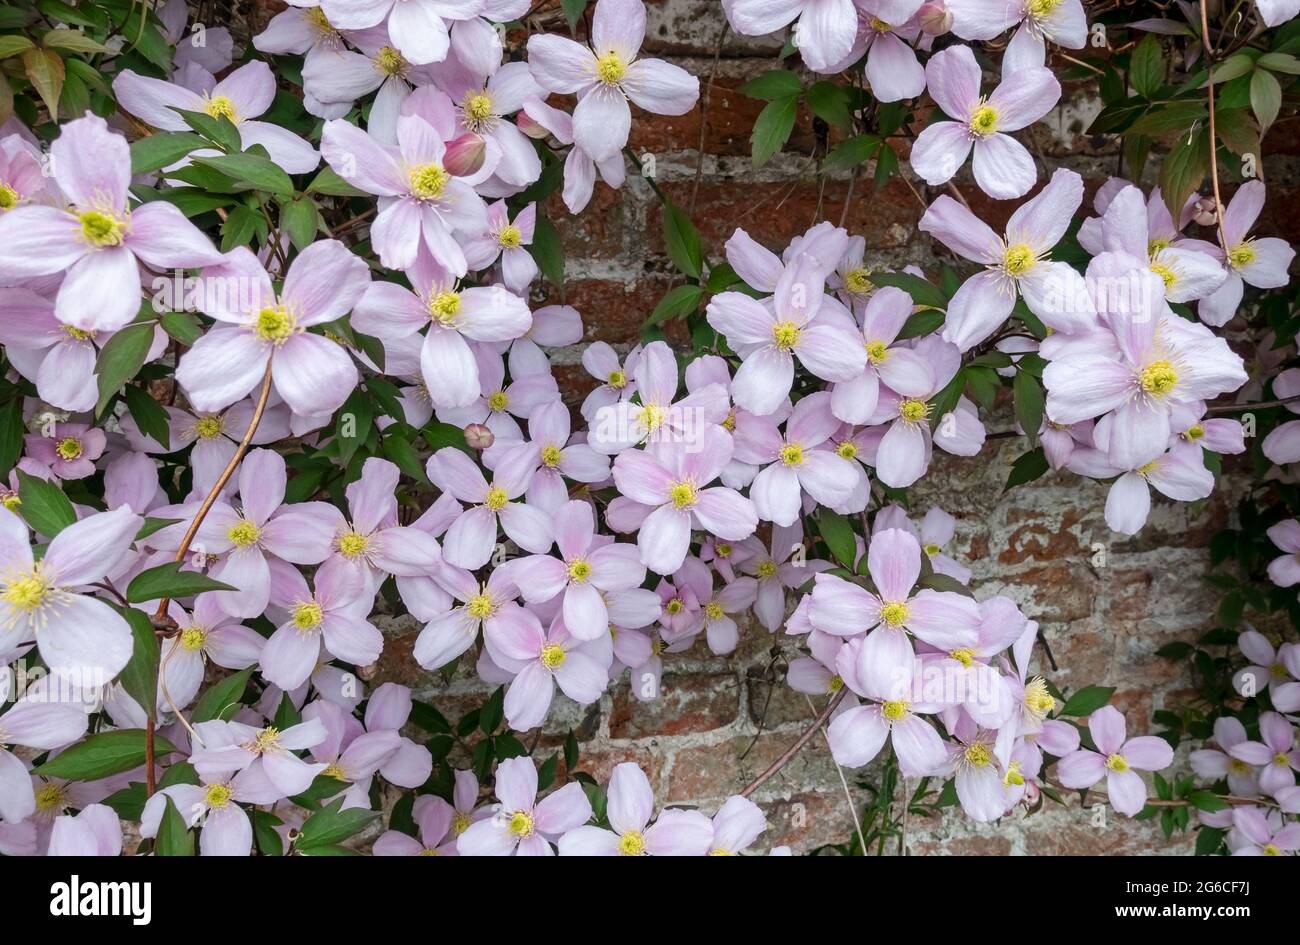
696 703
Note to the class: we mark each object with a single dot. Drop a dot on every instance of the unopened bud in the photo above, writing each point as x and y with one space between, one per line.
935 18
1204 212
530 127
465 155
478 436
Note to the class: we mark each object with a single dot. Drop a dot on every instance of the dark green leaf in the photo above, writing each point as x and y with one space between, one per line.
120 359
43 505
168 580
104 754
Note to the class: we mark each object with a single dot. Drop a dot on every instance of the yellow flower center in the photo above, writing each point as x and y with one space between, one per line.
617 380
510 237
496 499
880 26
1158 378
713 610
336 772
428 181
274 324
1116 762
101 229
444 307
835 684
78 334
682 494
767 568
785 335
1155 245
390 62
521 824
550 456
8 197
1147 469
1018 260
1040 8
579 570
50 797
846 450
318 21
1164 272
858 281
192 638
265 740
984 120
893 710
353 544
978 755
1241 255
963 655
913 410
217 796
10 500
68 448
652 415
480 607
1281 759
1038 701
1013 777
610 68
722 549
243 533
1195 432
1271 849
460 823
27 593
552 655
877 351
308 616
498 401
631 843
932 549
792 454
894 613
205 428
477 107
220 107
674 606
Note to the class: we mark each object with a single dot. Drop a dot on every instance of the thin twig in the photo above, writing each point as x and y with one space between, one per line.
793 750
848 795
1214 139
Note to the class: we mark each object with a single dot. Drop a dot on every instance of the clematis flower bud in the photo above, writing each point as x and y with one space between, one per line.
1204 212
465 155
935 18
478 436
530 127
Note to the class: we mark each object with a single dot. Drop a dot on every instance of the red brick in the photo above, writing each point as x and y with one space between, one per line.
686 704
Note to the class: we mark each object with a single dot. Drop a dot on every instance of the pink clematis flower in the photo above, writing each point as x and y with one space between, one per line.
1269 668
456 318
267 752
673 483
1215 763
1003 168
1014 264
312 374
330 619
449 634
587 569
207 633
241 97
507 239
1276 753
607 75
422 203
76 634
1262 262
522 825
801 321
472 536
895 366
97 239
374 542
435 820
95 831
540 662
420 28
826 28
69 451
214 803
1263 835
554 459
262 527
1178 474
630 809
1117 760
44 726
736 826
1062 22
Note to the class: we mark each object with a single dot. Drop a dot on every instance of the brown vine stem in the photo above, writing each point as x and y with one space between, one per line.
793 750
704 117
1259 405
160 618
1214 138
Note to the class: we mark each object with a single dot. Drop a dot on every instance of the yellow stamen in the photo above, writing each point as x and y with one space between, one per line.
984 121
767 569
1241 255
205 428
352 544
610 68
785 335
963 655
217 796
617 380
1158 378
510 237
220 107
480 607
444 307
792 454
192 638
893 710
101 229
713 610
390 62
631 843
521 824
308 616
27 593
552 656
579 570
428 181
551 456
913 410
1116 762
68 448
275 324
877 351
977 754
682 494
498 401
858 282
496 499
847 450
243 533
1018 260
894 613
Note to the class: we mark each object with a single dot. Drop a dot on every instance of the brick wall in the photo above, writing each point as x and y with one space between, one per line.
722 721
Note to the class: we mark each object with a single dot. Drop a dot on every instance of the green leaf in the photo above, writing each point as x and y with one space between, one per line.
220 130
352 424
13 45
120 359
11 434
330 826
1027 467
148 415
493 711
683 300
222 700
1147 69
298 219
1232 67
682 241
1209 840
104 754
1265 98
329 184
921 323
168 580
1279 62
838 535
152 525
47 510
174 839
269 841
1237 130
73 41
45 72
772 129
573 11
942 403
1087 700
438 434
403 456
830 103
851 152
1183 169
773 85
1207 801
922 291
258 172
1029 405
547 250
140 677
182 326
